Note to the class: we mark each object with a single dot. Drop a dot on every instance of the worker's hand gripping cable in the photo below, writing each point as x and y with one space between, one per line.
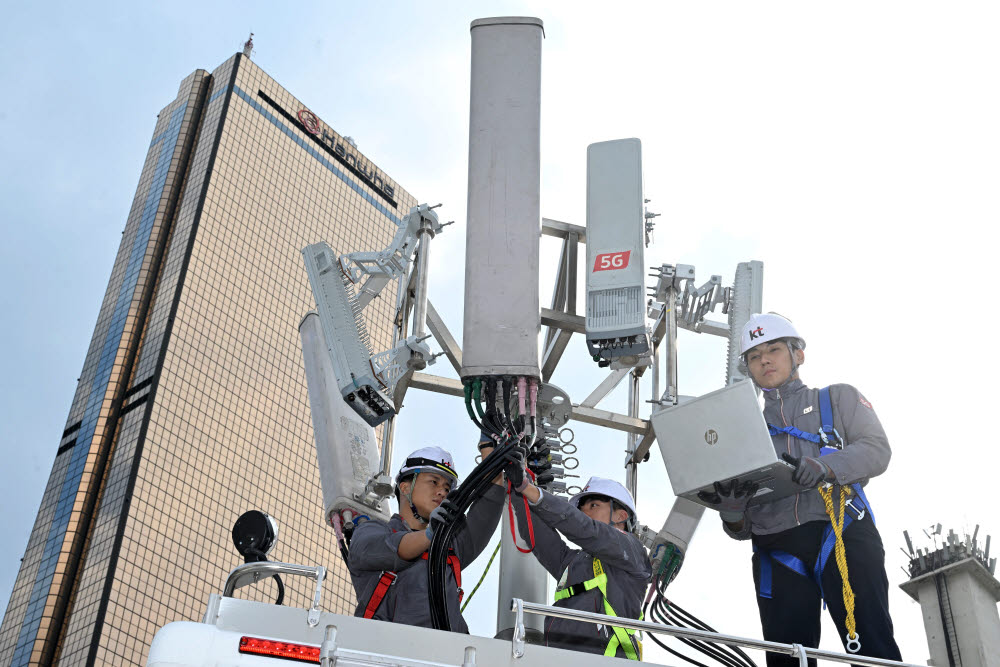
510 431
518 477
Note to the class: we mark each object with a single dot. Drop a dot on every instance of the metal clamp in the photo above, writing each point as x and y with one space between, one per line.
859 513
517 639
566 448
314 611
800 651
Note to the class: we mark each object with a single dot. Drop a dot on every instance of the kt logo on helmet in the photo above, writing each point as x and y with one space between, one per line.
757 333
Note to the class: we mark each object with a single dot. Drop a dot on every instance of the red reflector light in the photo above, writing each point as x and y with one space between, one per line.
276 649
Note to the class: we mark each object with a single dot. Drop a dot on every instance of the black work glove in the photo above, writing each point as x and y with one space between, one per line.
730 498
445 513
809 471
513 469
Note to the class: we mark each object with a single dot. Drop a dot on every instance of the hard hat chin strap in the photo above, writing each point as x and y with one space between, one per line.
629 522
795 365
409 499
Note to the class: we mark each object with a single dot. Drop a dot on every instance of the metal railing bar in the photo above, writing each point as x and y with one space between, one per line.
729 640
251 573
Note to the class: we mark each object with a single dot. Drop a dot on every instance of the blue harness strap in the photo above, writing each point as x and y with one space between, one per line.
825 411
794 432
784 558
829 540
826 431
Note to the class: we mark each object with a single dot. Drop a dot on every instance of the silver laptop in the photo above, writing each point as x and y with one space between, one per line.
718 437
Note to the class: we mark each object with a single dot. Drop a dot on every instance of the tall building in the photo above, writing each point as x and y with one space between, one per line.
192 405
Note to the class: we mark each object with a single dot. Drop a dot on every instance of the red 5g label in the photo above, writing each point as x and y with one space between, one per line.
611 261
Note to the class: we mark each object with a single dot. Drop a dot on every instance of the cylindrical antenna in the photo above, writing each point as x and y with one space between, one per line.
503 220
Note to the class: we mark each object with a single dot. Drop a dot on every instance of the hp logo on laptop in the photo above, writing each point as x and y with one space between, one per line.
711 436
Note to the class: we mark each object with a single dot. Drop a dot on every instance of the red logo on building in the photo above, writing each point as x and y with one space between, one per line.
612 261
309 121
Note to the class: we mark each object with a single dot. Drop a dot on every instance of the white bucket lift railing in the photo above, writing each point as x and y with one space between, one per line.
520 607
249 574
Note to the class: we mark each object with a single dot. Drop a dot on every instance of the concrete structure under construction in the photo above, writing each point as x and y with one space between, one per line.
958 594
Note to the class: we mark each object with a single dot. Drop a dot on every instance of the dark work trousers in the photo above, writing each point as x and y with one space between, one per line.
792 614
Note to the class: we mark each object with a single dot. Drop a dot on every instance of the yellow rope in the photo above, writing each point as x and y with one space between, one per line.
840 553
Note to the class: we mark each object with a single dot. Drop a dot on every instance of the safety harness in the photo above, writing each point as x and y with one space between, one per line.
620 636
389 578
830 441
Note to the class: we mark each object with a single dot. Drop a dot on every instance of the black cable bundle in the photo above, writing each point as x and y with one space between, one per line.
664 611
505 429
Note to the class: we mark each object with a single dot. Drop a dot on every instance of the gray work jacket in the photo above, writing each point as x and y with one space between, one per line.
866 452
375 549
623 559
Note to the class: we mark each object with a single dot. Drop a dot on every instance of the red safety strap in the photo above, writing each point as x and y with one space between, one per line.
385 581
389 578
527 513
456 569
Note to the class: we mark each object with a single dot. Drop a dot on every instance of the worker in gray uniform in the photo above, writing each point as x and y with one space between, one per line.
607 575
388 561
836 443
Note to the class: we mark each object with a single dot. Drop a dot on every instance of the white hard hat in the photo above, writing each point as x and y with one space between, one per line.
599 486
428 459
763 328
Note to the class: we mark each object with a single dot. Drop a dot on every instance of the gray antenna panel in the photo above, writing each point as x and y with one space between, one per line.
747 298
346 336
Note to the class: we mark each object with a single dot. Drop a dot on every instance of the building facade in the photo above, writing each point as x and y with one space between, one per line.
192 405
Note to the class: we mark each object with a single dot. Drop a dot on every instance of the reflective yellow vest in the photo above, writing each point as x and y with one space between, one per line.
620 636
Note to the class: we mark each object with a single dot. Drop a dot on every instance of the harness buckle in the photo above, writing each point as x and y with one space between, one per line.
859 514
840 440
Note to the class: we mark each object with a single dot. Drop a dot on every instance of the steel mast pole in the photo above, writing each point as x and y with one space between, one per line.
631 467
425 234
670 396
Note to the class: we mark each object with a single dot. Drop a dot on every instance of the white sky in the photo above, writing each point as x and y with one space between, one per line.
852 148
